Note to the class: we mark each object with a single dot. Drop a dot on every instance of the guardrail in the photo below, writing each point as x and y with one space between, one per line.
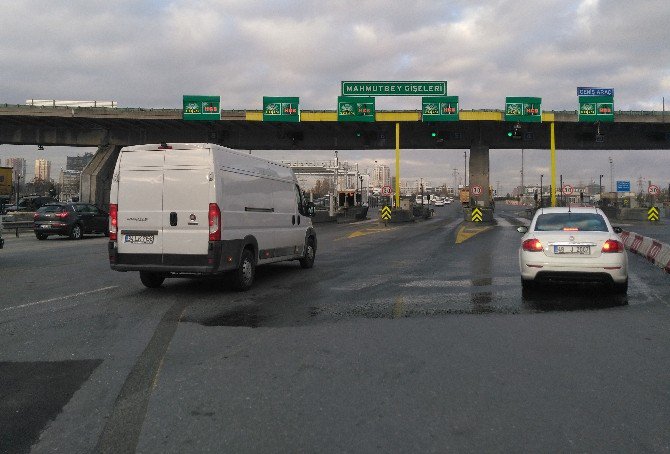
18 225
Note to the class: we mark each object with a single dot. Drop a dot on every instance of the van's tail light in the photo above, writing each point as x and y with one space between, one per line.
532 245
214 216
613 246
113 221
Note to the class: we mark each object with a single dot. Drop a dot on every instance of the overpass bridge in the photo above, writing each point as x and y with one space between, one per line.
110 129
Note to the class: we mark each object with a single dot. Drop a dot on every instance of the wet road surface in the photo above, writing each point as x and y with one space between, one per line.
406 337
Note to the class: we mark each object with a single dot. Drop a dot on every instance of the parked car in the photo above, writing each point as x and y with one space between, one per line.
70 219
567 244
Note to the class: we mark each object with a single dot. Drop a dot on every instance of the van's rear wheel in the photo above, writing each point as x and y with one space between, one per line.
151 280
243 276
310 253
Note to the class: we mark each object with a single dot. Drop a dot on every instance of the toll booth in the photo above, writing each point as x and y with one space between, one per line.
349 198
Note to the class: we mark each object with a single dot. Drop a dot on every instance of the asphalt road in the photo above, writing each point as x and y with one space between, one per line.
411 337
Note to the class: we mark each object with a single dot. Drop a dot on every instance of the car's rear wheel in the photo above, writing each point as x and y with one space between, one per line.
528 285
151 280
310 254
41 236
243 276
620 288
76 232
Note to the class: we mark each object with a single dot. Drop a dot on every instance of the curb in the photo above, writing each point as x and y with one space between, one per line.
654 251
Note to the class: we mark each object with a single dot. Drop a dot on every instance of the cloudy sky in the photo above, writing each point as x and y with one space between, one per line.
149 53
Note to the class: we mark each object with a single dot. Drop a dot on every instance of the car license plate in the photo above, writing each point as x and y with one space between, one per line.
139 239
577 250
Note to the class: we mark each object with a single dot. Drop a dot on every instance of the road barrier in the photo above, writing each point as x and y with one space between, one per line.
654 251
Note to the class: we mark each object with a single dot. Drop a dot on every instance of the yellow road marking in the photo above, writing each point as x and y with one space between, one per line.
399 307
466 232
367 231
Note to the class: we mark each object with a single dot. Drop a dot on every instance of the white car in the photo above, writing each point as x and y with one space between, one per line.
572 245
437 201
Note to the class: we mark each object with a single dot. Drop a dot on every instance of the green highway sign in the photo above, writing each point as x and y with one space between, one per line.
523 109
439 108
403 88
355 109
596 108
281 109
201 107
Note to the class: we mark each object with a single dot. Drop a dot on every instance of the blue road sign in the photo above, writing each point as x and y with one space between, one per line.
623 186
591 91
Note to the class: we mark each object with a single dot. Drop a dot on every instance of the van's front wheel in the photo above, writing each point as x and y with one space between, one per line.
151 280
310 253
243 276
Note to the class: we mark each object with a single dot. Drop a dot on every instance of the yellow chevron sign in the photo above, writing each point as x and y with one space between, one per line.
652 214
476 215
386 212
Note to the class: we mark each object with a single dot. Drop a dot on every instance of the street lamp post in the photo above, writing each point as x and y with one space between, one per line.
541 201
465 168
600 191
611 175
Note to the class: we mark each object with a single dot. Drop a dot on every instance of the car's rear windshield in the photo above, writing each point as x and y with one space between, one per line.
584 222
51 209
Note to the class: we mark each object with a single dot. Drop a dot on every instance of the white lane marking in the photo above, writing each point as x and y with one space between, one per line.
51 300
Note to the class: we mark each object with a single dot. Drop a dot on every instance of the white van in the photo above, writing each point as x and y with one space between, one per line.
198 209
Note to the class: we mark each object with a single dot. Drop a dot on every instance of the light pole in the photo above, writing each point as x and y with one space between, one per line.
541 201
465 168
600 191
611 175
523 191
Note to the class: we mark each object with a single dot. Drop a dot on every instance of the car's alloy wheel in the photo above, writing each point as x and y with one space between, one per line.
76 232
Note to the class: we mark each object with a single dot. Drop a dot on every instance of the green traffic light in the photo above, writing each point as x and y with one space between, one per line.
433 134
509 134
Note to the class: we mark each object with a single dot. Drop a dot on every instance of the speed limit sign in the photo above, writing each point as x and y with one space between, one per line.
653 189
476 190
567 189
387 191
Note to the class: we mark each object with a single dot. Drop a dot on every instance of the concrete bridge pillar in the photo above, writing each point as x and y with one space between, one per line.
479 175
96 178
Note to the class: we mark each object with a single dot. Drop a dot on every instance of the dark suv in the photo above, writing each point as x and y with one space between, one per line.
70 219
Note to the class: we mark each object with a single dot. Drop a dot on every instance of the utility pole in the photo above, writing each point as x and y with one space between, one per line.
523 189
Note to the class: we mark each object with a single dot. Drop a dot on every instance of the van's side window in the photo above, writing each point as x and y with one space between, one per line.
298 197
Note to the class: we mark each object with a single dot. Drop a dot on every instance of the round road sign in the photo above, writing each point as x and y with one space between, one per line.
476 190
567 189
387 190
653 189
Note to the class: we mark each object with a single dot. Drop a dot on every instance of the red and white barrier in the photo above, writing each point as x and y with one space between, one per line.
656 252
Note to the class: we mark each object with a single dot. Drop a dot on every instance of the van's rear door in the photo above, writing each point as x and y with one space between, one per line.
140 203
187 179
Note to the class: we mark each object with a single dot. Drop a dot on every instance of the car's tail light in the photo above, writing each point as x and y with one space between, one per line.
532 245
613 246
35 216
62 214
113 221
214 216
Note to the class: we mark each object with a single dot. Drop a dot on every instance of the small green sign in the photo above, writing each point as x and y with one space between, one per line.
390 88
355 109
596 108
281 109
439 108
525 109
206 108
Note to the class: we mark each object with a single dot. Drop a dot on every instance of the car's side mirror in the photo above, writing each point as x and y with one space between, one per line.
522 229
617 229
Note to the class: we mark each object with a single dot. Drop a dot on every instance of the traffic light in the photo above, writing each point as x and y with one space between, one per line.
515 133
439 136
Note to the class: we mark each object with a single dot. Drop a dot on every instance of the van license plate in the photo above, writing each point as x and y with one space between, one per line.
139 239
